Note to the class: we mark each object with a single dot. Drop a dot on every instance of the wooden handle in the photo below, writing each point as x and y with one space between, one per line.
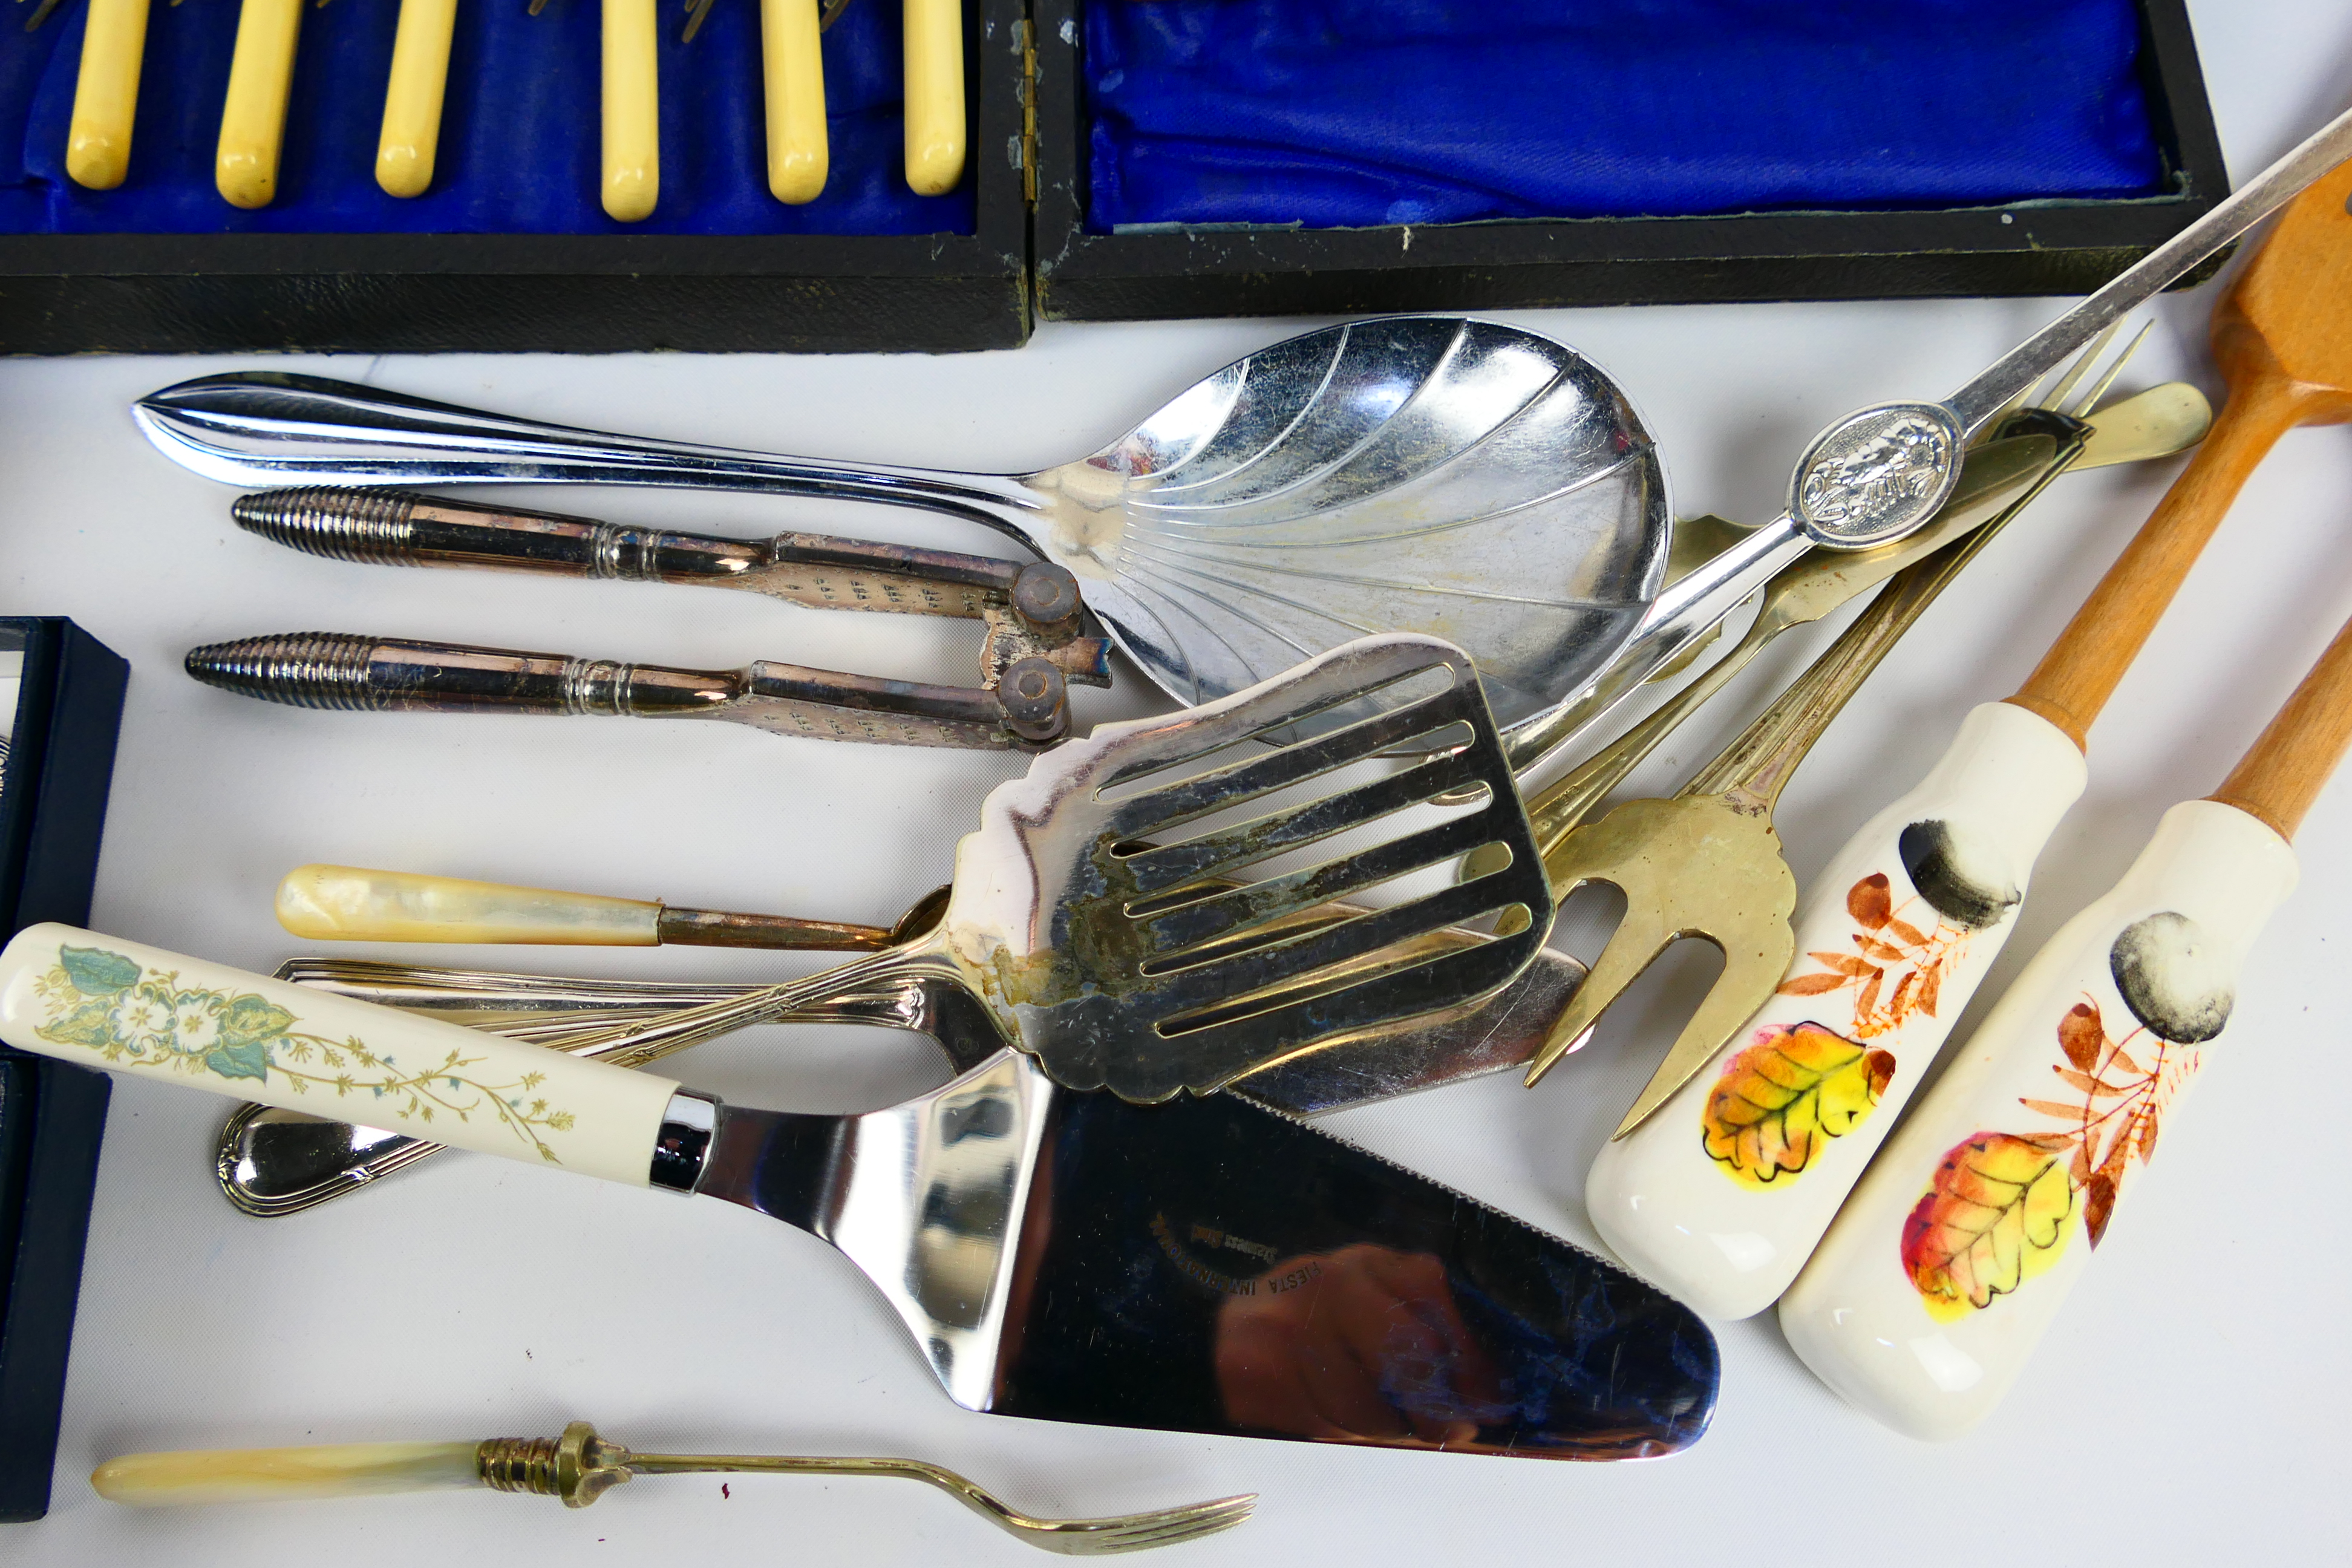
280 1475
351 903
2287 766
793 64
2087 663
934 31
411 138
102 1002
253 115
632 110
106 93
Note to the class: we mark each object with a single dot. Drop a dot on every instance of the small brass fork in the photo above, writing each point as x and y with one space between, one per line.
1708 863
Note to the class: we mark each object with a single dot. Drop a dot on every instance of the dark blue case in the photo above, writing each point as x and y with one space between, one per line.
52 810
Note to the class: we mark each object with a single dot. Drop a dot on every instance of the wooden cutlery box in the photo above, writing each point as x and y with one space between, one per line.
509 249
1264 157
1125 159
53 789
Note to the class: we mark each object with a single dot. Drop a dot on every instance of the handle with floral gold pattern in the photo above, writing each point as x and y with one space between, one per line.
102 1002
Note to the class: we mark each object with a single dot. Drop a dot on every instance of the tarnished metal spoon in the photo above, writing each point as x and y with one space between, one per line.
1465 479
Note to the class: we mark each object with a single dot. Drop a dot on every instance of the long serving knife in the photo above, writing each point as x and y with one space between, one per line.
1203 1264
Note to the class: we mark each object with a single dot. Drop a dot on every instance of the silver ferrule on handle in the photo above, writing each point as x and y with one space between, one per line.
1028 707
403 528
683 1144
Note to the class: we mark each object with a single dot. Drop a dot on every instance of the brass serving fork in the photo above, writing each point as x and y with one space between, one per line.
1708 863
580 1467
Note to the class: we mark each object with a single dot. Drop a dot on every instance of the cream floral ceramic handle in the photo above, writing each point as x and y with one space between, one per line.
1942 1272
1721 1194
99 1001
1951 1258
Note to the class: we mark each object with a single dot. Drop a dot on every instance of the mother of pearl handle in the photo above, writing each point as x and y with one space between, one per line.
351 903
1720 1197
99 1001
280 1475
1958 1247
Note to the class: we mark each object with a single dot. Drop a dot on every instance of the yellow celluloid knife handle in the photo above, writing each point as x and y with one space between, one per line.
632 112
934 30
106 94
412 99
253 116
794 67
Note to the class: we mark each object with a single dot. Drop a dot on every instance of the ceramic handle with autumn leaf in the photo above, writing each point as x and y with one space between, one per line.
1929 1293
1720 1195
102 1002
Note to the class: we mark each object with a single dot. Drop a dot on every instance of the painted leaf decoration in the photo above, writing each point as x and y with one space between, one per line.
1885 952
1778 1101
248 1019
1901 1001
1867 1002
96 971
1845 963
2081 1034
1905 932
1994 1215
1870 902
1931 987
1811 985
2089 1085
241 1059
92 1025
2098 1204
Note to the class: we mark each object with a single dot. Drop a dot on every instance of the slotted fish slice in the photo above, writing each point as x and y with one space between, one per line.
1460 479
1094 915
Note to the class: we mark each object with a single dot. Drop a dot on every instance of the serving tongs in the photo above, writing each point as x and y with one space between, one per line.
1036 646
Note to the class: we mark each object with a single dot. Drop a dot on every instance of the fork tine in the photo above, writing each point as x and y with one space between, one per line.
2089 400
2080 365
1171 1527
1748 973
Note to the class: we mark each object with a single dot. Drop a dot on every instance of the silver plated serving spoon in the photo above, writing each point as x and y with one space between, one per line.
1465 479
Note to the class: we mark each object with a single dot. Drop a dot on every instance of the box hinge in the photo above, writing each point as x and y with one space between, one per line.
1028 37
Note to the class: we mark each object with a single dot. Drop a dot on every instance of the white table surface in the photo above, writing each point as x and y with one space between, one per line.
2184 1408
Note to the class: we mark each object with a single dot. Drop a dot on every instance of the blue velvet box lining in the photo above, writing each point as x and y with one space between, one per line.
518 152
1354 113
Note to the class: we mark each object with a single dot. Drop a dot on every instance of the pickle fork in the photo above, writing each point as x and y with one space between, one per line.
580 1467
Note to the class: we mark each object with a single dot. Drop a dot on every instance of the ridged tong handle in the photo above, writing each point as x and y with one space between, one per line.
388 675
403 528
379 675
